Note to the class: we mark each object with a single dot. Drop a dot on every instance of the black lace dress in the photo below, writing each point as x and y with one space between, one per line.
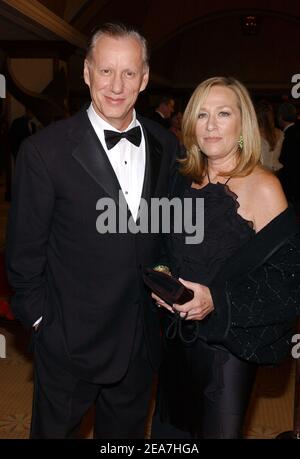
203 389
224 232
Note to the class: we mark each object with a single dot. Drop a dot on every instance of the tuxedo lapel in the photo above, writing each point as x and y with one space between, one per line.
153 164
91 156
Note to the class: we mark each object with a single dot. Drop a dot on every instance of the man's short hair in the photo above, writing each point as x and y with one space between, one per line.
164 99
118 30
287 112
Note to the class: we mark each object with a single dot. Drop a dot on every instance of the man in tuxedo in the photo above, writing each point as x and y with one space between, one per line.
20 129
164 110
290 153
96 338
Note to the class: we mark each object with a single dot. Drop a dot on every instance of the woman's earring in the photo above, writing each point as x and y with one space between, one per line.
241 142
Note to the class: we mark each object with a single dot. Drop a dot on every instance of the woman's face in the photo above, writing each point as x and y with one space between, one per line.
218 127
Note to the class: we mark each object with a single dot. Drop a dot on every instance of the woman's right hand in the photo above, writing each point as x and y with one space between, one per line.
200 306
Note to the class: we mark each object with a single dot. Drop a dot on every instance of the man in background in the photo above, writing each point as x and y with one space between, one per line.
290 153
164 110
20 129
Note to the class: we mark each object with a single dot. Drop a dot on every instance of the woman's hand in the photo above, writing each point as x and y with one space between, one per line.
200 306
160 302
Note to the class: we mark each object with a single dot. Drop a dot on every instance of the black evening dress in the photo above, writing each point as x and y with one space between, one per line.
203 389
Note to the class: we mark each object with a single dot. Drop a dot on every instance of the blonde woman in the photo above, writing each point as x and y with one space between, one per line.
245 292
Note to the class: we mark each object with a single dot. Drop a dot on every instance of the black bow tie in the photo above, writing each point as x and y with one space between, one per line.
134 136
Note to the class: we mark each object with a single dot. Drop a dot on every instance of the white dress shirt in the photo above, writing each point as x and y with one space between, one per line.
287 126
127 160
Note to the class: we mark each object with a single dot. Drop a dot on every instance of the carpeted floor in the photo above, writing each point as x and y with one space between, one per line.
270 411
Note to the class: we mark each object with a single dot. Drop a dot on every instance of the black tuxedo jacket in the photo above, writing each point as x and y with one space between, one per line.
290 158
160 120
86 285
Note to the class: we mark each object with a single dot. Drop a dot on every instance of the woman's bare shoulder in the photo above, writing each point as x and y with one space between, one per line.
267 199
265 182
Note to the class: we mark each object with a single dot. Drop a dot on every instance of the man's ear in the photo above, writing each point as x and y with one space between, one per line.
86 72
144 81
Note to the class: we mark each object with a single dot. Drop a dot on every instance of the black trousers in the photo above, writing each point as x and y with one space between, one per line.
61 399
203 392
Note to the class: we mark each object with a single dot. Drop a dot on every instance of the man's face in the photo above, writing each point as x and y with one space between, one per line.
115 74
170 108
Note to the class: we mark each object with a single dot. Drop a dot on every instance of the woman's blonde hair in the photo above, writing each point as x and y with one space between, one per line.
195 164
